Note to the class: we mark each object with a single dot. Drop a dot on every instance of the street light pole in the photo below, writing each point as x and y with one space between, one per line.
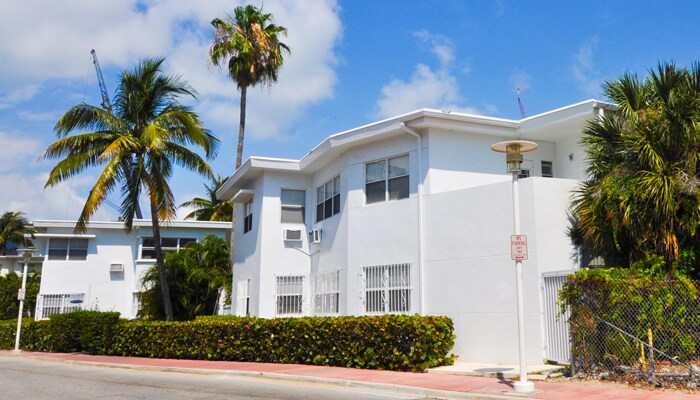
27 255
514 159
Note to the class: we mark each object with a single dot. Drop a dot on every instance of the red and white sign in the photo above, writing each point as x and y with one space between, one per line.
518 247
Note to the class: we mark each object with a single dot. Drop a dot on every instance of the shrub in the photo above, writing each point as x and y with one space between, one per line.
82 331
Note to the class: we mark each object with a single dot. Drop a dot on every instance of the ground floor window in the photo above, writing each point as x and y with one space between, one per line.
50 304
289 295
325 289
387 289
243 298
137 304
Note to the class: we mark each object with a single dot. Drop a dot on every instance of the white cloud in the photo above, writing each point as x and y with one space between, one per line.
37 116
19 94
520 79
427 87
584 70
17 151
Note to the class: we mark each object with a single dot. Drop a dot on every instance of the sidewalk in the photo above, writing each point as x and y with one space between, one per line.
445 385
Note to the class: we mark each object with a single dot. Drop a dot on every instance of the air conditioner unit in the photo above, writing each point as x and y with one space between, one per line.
315 236
292 235
116 268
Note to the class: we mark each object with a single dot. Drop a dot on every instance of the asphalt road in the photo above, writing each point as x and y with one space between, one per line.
22 379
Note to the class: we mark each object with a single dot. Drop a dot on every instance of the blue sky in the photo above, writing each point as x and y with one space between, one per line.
352 63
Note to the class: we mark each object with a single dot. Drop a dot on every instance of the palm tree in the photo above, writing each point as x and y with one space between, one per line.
211 208
136 147
248 45
643 192
14 229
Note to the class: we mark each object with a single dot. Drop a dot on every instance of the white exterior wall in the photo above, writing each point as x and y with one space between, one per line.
105 290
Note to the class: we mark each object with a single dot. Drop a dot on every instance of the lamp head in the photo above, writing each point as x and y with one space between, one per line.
514 150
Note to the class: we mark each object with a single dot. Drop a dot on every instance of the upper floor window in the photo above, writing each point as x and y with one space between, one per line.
386 179
68 249
148 250
248 220
293 206
328 199
547 169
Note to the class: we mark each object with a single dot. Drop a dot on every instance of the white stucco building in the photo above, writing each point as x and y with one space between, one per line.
102 267
412 214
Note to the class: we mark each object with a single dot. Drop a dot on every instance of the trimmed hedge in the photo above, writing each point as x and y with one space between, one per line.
393 342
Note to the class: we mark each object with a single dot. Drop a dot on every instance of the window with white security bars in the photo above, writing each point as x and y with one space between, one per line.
325 289
243 297
289 295
50 304
387 289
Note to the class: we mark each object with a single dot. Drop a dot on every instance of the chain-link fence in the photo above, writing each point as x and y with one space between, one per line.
635 330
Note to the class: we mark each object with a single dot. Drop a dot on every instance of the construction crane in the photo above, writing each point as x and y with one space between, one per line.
520 104
108 106
101 80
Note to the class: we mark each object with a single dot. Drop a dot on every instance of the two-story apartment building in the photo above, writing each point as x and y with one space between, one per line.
102 267
412 214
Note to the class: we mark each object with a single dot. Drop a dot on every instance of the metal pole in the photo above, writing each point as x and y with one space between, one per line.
21 304
523 385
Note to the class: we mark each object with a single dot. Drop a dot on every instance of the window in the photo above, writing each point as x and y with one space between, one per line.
248 220
328 199
293 206
148 250
289 295
68 249
50 304
137 304
547 169
243 298
386 179
387 289
326 292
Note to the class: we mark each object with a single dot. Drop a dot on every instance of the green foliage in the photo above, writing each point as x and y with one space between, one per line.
638 300
211 208
643 193
13 228
9 286
393 342
196 275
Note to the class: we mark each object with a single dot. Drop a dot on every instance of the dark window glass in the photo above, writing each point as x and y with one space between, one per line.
336 204
375 192
319 212
398 188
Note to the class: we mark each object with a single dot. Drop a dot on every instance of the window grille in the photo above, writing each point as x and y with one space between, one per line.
289 295
243 298
386 179
325 289
387 289
50 304
136 304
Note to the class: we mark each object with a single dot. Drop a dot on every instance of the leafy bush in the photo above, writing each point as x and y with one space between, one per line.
9 285
642 302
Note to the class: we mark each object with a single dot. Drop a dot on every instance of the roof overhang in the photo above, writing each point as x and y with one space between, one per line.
138 223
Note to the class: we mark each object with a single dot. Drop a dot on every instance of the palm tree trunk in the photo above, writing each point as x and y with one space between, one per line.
164 285
241 127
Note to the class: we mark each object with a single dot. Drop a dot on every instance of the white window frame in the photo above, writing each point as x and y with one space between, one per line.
293 207
136 304
243 297
386 289
333 198
325 293
289 295
70 244
550 164
178 246
248 216
387 179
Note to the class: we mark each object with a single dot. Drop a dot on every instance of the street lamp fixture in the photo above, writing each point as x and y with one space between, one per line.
26 258
514 150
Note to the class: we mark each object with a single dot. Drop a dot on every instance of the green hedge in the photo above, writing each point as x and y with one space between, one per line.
600 300
393 342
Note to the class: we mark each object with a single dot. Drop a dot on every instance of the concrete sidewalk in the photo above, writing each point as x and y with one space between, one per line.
443 385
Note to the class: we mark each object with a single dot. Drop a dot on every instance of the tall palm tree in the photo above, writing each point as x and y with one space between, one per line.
136 147
14 229
643 192
248 45
211 208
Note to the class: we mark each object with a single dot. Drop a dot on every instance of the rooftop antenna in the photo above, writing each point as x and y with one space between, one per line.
520 104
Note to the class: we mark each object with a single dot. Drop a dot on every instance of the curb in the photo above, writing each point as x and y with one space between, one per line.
375 386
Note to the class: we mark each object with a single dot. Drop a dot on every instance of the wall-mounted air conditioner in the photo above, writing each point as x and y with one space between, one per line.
116 267
315 236
292 235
